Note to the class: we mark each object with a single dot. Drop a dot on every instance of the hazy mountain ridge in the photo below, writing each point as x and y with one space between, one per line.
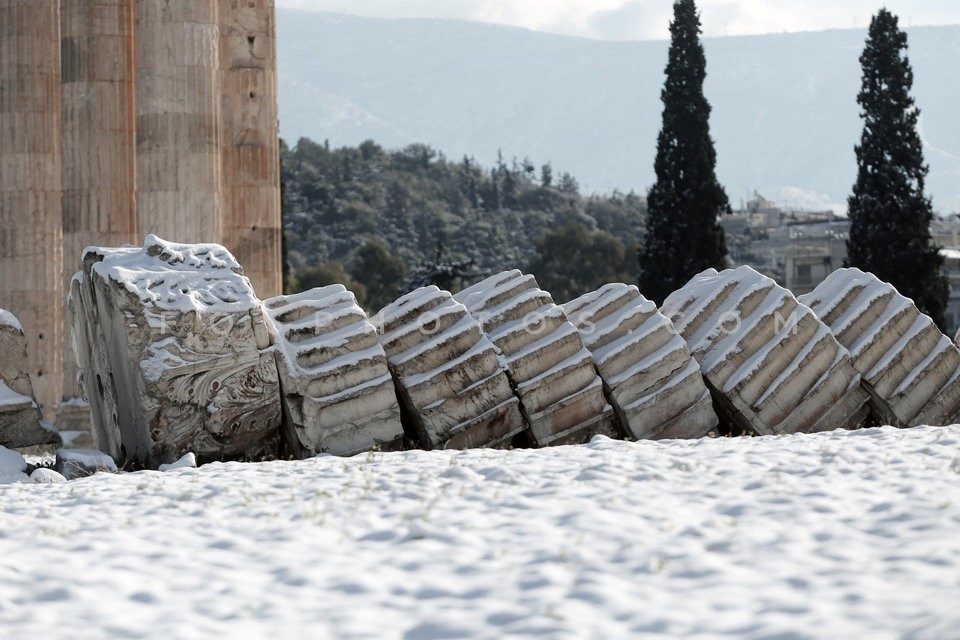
785 117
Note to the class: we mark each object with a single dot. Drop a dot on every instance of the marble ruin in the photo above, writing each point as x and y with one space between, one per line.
175 354
772 365
560 393
653 382
160 117
178 356
910 369
338 395
20 420
451 384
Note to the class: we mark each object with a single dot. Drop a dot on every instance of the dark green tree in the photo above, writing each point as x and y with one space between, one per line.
568 184
889 213
546 176
380 272
683 235
470 177
507 180
572 260
412 199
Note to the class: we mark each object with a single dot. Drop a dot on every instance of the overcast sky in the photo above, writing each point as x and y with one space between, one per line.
648 19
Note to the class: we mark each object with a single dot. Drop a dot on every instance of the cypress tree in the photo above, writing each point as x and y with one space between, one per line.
683 235
889 213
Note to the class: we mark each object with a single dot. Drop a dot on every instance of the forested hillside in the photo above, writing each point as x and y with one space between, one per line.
785 117
384 221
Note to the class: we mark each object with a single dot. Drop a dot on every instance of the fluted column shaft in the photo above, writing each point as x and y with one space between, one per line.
99 136
178 120
31 256
250 142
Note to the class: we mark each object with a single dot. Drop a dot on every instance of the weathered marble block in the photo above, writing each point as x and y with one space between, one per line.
560 393
771 364
338 395
175 354
653 382
910 369
92 354
20 419
452 387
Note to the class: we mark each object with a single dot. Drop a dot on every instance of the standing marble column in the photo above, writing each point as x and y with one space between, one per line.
178 120
99 148
31 257
250 142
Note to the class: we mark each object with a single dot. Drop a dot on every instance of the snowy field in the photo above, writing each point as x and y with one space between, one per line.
837 535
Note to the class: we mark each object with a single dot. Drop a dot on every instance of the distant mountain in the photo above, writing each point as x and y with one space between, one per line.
785 117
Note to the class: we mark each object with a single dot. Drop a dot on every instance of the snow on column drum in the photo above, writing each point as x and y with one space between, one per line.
452 387
338 395
19 414
772 365
560 393
653 382
175 354
910 368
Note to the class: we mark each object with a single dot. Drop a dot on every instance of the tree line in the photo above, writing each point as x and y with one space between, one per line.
383 221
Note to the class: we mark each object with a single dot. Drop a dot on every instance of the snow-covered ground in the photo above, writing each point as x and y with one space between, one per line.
836 535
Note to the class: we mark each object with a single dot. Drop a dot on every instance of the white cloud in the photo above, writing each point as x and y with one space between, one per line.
561 16
771 16
633 20
459 9
646 19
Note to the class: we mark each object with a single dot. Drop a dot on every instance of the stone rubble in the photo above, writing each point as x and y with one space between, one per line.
80 463
21 424
653 382
69 464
